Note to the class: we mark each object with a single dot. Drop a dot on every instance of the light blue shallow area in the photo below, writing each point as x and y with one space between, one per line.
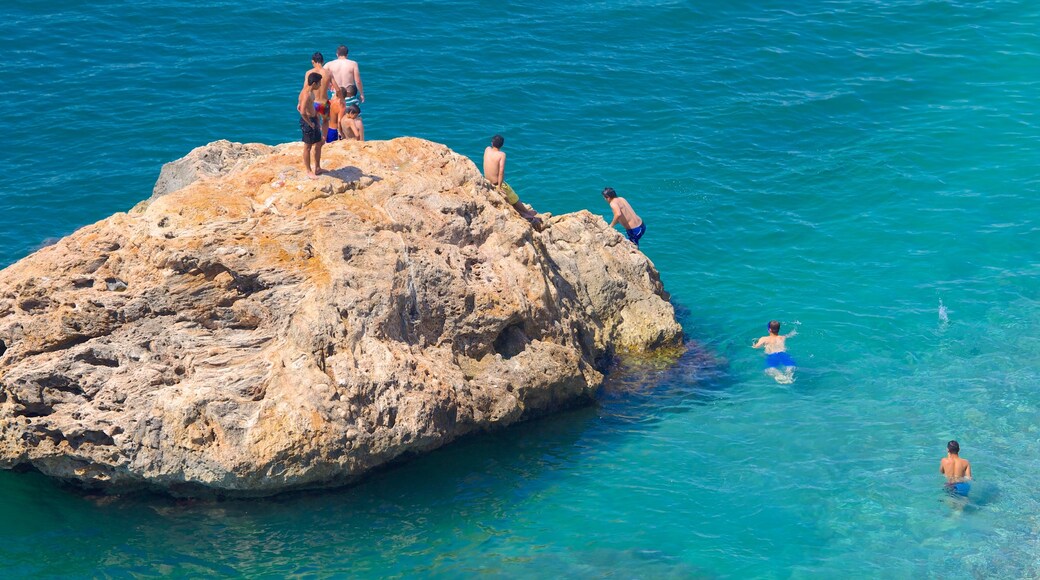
864 171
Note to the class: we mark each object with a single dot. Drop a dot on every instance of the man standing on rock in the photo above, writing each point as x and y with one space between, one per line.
345 73
321 94
495 172
310 124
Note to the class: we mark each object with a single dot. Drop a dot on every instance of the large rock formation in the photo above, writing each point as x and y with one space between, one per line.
255 331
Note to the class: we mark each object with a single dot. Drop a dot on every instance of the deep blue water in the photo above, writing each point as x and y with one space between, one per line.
864 171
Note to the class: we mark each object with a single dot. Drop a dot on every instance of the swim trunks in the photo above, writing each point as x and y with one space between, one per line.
511 195
959 489
332 136
779 359
311 133
322 108
635 233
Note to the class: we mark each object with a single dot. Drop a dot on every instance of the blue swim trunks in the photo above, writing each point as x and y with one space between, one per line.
779 359
333 135
635 233
959 489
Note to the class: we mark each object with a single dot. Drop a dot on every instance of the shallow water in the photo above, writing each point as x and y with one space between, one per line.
865 172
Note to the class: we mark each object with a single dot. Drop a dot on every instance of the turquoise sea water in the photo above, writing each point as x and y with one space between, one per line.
864 171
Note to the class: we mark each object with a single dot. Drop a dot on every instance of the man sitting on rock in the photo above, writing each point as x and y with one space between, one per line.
495 172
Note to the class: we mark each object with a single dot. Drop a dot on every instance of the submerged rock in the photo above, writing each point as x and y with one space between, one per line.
251 331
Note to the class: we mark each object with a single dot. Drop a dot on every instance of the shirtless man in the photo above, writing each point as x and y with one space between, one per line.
321 94
634 227
310 124
345 73
957 471
779 364
495 172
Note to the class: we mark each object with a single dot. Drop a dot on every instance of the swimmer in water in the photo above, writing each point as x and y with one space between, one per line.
957 471
779 364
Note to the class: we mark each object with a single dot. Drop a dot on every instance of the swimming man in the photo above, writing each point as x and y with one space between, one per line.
495 172
957 471
634 227
345 73
779 364
310 125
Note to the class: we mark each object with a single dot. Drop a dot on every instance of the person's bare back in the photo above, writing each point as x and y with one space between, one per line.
953 466
772 343
779 364
345 72
624 214
957 471
495 172
494 165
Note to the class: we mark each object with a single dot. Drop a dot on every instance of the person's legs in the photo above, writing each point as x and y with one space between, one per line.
307 157
529 215
317 157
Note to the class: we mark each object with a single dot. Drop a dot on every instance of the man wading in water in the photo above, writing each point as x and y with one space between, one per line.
957 471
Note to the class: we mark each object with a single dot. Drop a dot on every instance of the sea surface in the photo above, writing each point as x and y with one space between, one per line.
865 171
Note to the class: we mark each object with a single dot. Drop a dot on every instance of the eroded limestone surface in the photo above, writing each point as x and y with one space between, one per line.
248 330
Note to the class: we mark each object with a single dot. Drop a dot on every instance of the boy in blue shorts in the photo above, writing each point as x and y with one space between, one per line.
779 364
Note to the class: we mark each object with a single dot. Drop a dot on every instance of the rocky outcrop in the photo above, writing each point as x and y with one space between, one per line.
252 330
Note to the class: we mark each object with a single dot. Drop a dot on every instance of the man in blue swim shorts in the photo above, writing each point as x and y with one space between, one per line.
957 471
634 226
779 364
